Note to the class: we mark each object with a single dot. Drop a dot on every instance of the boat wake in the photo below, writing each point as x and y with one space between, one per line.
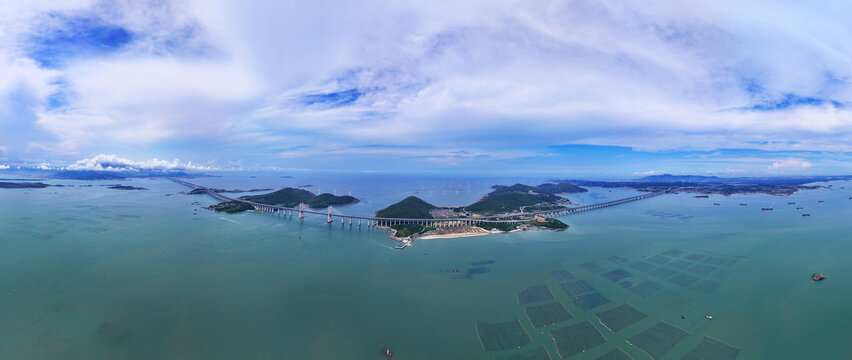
383 245
233 221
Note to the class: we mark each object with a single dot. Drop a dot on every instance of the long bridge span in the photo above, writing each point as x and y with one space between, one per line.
513 218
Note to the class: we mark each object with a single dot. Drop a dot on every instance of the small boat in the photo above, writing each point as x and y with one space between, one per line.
817 277
741 204
387 353
799 208
820 201
790 203
715 203
708 317
766 209
806 214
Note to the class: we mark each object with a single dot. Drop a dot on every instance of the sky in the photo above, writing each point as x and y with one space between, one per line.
585 88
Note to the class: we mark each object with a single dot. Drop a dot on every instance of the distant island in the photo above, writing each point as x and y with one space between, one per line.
125 187
504 200
780 186
287 197
22 185
119 174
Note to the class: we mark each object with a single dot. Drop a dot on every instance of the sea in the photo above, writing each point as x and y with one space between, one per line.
89 272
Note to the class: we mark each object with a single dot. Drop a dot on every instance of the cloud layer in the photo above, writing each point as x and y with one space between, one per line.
442 84
104 162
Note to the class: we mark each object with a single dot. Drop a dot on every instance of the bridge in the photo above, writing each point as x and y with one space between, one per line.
513 218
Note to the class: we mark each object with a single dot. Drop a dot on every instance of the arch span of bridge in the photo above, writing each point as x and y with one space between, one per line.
513 218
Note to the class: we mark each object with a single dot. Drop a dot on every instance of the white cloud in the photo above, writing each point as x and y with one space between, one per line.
488 75
104 162
4 167
791 164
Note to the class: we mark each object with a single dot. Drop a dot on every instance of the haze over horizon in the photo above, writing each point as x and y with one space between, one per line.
582 88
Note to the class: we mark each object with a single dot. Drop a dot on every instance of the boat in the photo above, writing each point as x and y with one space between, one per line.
790 203
741 204
387 353
820 201
799 208
715 203
765 209
708 317
817 277
806 214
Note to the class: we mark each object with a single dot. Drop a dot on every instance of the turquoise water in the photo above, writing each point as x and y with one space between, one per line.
98 273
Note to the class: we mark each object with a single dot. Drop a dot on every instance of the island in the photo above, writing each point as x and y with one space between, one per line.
230 207
119 174
22 185
779 186
506 201
125 187
286 197
516 198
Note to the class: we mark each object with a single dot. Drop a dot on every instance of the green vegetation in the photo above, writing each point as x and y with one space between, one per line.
231 207
324 200
506 199
411 207
292 197
499 226
550 223
406 230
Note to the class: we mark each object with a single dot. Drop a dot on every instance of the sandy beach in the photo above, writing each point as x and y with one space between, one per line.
454 232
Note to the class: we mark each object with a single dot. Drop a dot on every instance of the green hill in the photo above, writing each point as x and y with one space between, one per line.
292 197
231 207
324 200
510 198
411 207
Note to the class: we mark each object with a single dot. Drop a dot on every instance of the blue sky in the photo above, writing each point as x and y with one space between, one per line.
586 88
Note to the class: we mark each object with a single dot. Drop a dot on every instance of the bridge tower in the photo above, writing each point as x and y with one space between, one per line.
329 215
300 212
